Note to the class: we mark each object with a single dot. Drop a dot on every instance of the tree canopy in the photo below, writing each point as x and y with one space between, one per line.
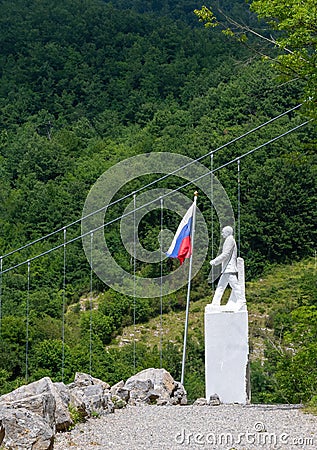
296 23
293 32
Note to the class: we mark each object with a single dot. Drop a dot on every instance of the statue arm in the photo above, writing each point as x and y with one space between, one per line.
226 251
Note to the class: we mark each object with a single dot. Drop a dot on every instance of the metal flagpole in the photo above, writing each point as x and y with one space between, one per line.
188 287
27 326
134 283
239 208
212 220
64 304
90 304
161 287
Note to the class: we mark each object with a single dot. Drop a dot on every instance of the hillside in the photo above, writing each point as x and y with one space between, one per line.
86 85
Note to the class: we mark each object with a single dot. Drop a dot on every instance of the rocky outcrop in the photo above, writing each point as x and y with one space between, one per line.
148 387
84 380
90 396
119 395
24 429
31 415
155 386
45 398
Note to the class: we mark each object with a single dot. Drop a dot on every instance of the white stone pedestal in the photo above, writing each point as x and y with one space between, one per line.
226 355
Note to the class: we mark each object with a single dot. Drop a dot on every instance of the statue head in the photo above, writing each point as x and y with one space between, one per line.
226 231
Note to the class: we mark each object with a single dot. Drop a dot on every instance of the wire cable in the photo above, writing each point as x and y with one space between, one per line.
163 196
264 124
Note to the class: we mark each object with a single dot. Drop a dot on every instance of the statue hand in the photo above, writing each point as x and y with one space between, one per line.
212 262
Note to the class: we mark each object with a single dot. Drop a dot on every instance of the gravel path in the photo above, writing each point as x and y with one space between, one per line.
221 427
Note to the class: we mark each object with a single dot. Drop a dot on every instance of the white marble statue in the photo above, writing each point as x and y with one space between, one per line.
232 274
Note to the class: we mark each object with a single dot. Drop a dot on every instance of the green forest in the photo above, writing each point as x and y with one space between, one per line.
87 84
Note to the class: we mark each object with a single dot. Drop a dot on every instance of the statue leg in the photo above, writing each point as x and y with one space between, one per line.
237 290
222 284
241 276
232 301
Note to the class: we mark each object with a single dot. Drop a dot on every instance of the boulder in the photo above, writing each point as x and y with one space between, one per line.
24 429
62 416
83 379
41 404
31 415
90 395
214 400
155 386
42 392
119 390
119 395
140 391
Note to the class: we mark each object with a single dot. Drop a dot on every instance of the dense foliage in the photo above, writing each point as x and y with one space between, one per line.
296 22
291 46
84 85
287 300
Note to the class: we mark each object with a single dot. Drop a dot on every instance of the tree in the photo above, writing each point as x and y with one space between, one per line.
298 39
49 358
295 38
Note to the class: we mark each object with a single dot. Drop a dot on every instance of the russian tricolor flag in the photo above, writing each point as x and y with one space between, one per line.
181 247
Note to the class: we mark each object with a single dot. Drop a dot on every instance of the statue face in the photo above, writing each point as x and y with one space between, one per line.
226 231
